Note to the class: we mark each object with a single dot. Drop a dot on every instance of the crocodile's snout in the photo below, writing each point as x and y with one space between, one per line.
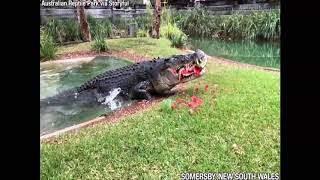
201 58
200 54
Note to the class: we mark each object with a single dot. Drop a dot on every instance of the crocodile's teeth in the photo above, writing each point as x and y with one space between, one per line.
180 74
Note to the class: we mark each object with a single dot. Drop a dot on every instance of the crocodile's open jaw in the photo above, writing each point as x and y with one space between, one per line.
191 71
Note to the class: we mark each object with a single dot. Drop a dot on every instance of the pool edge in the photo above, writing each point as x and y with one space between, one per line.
72 128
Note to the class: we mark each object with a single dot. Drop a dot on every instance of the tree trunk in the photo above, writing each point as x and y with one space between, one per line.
156 20
84 25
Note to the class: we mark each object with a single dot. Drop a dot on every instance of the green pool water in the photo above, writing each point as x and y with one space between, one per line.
266 54
57 77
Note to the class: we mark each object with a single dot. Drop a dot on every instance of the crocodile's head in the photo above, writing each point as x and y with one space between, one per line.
182 70
194 69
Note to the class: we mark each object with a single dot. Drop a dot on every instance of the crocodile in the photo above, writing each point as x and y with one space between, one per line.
142 80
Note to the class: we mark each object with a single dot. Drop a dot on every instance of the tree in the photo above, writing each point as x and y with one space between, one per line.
156 20
84 25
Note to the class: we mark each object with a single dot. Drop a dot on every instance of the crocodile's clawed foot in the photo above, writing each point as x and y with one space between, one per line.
101 99
145 101
103 115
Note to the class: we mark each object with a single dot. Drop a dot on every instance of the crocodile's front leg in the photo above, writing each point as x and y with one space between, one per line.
140 91
99 97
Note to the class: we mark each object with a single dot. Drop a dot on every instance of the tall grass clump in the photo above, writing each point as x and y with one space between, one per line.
63 30
167 16
174 34
100 44
47 46
195 22
142 33
145 22
100 27
120 22
72 28
257 25
179 40
171 31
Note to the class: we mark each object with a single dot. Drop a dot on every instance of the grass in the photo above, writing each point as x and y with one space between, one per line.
144 46
237 130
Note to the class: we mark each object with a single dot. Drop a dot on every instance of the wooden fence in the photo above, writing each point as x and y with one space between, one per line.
103 12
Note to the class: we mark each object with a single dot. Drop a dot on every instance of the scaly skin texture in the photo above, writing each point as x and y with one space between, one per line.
136 81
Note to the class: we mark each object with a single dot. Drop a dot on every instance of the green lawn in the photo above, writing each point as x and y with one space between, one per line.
143 46
237 130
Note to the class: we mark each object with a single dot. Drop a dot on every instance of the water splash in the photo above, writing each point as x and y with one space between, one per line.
110 100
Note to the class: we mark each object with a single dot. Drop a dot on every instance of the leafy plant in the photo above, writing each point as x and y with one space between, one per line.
166 105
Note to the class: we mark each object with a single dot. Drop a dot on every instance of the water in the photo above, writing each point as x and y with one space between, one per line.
266 54
56 77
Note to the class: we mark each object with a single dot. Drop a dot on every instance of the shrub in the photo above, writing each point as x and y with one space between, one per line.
47 46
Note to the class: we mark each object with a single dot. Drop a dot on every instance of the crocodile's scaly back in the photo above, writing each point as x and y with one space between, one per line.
111 77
